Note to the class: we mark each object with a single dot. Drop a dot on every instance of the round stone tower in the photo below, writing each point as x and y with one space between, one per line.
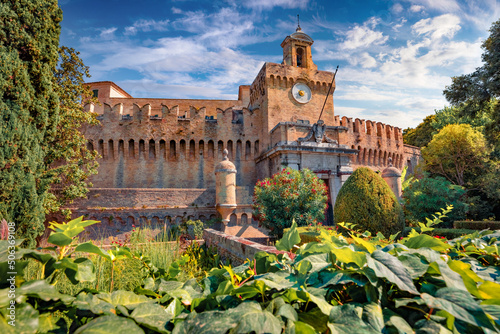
392 176
225 188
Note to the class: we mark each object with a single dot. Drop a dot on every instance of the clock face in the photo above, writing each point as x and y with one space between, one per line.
301 93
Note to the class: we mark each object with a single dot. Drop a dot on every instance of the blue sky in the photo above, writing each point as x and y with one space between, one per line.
395 57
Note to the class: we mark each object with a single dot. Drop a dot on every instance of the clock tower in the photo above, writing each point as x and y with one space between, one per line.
293 91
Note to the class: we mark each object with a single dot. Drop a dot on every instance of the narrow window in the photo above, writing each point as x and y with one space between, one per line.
152 150
131 148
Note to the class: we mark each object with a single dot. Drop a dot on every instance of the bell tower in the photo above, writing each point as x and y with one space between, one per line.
297 50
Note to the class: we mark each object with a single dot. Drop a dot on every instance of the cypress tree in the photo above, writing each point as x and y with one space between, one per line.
29 109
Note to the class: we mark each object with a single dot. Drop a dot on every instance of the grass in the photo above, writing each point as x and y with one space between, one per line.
128 273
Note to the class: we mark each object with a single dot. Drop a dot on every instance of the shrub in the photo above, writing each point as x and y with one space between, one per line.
477 225
192 227
366 200
424 197
289 195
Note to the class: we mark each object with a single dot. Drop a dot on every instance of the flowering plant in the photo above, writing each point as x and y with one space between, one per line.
289 195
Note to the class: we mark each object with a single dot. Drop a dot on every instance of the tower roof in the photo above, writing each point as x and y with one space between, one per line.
300 35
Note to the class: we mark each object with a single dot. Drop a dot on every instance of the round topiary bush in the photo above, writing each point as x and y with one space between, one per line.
366 200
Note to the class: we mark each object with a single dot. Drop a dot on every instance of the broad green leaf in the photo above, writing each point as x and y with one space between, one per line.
459 304
60 239
225 288
48 323
6 268
287 311
314 248
251 318
347 319
174 308
470 278
250 290
152 316
73 227
290 239
280 280
293 295
389 267
450 277
26 320
6 250
372 315
208 322
336 277
366 244
489 290
322 304
89 247
128 299
431 327
182 295
303 328
80 270
303 267
396 322
347 255
317 262
493 310
43 290
41 257
168 286
110 324
316 319
426 241
263 262
414 264
94 304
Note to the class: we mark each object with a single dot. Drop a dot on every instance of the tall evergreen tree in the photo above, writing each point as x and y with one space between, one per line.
71 161
29 109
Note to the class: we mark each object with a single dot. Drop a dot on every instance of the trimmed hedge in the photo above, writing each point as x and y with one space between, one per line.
448 233
366 200
477 225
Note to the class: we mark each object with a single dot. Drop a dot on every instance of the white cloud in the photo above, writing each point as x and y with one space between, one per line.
368 61
416 8
441 26
225 28
147 25
176 10
363 37
397 8
440 5
270 4
108 33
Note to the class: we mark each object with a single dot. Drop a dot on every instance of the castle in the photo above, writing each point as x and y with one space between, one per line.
159 155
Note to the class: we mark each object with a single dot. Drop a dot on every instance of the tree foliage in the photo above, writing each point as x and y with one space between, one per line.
474 91
367 201
289 195
29 109
422 134
424 197
457 152
70 161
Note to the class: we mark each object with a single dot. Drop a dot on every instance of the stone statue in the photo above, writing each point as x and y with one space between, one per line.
318 131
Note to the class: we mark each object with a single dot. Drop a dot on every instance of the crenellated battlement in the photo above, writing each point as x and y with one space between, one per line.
134 113
363 127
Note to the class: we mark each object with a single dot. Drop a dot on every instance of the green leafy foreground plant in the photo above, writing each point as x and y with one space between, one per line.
355 284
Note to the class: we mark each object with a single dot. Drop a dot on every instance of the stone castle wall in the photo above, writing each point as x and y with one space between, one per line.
171 149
